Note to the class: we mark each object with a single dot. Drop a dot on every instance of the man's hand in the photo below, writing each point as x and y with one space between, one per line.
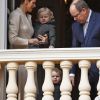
72 79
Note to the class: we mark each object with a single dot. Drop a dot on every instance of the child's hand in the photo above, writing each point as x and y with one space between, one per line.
43 39
51 46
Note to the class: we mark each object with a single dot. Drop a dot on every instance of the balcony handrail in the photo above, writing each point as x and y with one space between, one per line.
52 54
65 57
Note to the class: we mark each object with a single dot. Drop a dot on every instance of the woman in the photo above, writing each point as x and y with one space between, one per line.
20 33
20 26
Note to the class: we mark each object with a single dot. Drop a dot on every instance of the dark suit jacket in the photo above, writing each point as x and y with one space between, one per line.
92 39
57 92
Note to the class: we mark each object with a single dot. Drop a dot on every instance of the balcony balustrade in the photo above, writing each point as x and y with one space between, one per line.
30 58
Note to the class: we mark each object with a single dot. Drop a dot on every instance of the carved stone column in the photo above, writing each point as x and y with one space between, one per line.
30 87
48 86
66 86
98 85
12 88
84 86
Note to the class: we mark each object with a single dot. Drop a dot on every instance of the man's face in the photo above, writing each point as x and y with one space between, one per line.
30 5
79 16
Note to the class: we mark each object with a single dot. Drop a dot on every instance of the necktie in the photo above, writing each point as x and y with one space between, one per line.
85 26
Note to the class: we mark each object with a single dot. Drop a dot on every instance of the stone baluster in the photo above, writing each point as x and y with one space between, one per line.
12 88
30 87
98 85
84 86
48 86
65 86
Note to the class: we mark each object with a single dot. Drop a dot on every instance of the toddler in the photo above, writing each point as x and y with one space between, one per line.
56 78
45 27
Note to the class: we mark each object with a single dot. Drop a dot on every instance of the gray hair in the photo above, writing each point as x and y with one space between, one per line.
80 4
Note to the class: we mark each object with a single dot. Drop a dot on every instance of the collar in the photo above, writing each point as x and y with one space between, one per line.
90 12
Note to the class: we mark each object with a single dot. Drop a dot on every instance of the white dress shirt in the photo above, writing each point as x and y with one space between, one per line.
85 26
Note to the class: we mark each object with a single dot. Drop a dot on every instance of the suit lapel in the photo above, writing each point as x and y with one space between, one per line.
81 35
90 28
82 32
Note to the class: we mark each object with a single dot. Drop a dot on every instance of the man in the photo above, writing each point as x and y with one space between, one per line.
86 33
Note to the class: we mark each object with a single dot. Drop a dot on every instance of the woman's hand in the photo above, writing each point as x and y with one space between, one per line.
33 41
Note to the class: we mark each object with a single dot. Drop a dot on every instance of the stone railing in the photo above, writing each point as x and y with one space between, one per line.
65 57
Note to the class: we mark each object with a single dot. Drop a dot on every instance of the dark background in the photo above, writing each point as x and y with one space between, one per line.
62 17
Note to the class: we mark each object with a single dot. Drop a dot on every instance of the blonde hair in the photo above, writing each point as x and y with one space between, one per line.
45 9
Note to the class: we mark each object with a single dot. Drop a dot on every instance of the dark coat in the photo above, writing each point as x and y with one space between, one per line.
49 29
56 93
